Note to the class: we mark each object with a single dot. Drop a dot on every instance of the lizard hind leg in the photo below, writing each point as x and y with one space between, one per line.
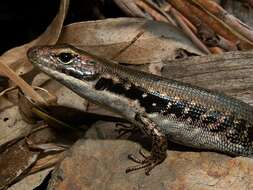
159 147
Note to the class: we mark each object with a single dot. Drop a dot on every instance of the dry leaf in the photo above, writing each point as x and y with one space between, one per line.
64 96
14 162
12 125
128 40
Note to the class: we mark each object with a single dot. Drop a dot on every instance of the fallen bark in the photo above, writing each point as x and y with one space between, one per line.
230 73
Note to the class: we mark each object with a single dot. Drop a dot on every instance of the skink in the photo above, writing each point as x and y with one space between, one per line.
164 109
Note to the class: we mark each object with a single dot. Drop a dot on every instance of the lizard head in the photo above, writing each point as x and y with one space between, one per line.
64 59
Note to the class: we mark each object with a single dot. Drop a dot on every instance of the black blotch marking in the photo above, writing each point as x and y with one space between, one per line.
240 133
103 84
236 132
150 99
226 124
177 108
136 93
211 117
194 112
250 133
243 131
133 93
240 125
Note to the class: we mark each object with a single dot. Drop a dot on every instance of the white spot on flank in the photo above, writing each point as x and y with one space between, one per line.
193 103
127 86
144 95
169 105
186 110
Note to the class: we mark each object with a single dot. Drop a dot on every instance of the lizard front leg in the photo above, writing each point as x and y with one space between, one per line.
159 146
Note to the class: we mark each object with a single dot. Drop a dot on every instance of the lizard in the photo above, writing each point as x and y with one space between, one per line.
164 109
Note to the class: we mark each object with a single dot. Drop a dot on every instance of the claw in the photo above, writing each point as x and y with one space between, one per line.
138 167
159 146
135 159
141 152
124 129
149 162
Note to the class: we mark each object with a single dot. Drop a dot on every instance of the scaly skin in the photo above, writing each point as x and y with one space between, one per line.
163 109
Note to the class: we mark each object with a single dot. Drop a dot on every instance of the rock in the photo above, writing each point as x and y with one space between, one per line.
101 164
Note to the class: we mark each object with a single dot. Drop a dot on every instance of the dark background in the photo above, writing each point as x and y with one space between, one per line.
23 21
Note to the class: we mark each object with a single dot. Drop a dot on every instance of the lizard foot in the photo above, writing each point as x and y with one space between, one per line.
125 129
149 162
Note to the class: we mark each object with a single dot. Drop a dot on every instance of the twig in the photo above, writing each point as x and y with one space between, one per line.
215 10
160 11
188 31
130 8
189 24
207 26
27 89
130 43
153 13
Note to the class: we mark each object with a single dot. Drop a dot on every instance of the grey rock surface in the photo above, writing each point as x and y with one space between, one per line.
100 164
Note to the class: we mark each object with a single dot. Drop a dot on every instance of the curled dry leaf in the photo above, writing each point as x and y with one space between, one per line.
46 162
128 40
46 147
22 84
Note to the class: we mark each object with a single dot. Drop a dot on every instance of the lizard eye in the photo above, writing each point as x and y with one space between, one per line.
65 58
